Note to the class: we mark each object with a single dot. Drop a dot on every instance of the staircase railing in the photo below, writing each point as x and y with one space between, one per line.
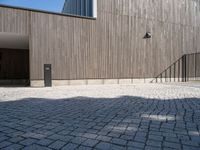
184 69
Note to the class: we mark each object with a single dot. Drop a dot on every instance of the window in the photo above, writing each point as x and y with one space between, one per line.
81 7
85 8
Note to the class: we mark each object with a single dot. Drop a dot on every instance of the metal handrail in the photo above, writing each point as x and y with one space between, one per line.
184 69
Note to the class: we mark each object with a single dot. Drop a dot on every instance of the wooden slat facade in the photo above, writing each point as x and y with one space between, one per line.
112 46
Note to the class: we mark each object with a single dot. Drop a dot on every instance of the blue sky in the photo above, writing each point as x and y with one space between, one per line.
48 5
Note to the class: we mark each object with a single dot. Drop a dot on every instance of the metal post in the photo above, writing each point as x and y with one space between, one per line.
161 78
184 69
174 72
195 65
170 74
179 70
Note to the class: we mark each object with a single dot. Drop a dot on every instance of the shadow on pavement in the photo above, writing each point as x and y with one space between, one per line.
103 123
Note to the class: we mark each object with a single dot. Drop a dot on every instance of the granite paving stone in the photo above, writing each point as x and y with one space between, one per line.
14 147
118 117
70 146
57 145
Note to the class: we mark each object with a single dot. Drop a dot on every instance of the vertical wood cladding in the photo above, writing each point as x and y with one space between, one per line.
112 46
14 20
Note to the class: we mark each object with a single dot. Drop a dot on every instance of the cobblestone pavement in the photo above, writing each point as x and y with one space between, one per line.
116 117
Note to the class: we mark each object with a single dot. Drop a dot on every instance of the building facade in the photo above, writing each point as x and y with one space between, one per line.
111 46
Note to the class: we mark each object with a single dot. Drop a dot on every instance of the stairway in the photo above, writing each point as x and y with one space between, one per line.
186 68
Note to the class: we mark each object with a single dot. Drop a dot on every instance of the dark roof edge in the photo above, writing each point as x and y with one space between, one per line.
47 12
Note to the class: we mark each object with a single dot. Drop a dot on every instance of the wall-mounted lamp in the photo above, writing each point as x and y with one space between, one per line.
147 35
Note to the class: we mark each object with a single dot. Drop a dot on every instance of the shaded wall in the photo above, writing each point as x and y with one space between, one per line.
112 46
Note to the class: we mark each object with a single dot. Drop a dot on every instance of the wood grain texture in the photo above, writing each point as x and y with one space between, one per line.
14 21
112 46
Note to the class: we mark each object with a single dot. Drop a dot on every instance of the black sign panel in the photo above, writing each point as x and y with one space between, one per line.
47 75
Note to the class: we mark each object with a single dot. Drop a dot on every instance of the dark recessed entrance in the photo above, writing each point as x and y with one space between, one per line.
14 59
14 67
